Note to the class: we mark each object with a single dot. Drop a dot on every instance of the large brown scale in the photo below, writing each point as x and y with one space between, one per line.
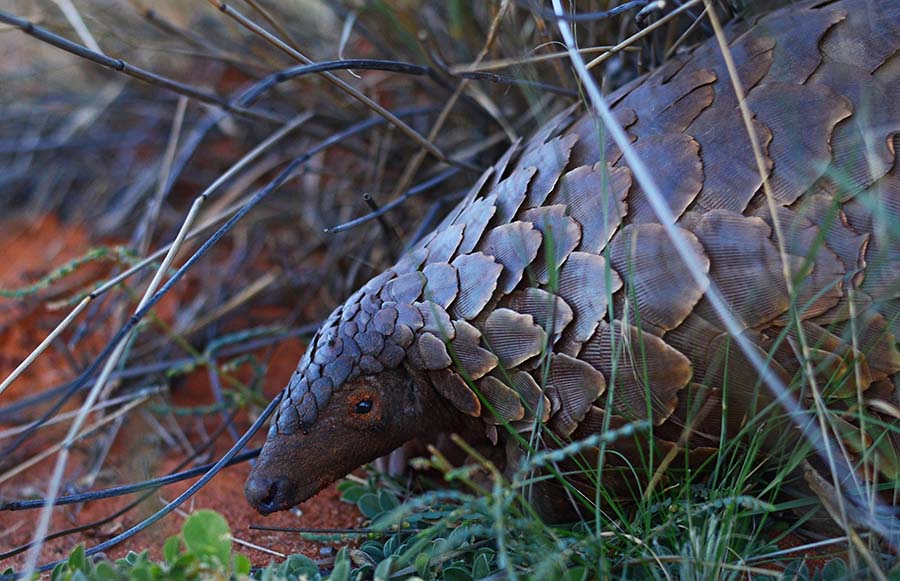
552 293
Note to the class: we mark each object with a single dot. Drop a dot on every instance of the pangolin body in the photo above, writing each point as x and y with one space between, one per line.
552 295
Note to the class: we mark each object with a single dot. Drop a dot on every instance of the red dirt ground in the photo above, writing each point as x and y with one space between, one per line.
137 452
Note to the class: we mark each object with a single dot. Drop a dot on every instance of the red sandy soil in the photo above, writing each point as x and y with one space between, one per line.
31 250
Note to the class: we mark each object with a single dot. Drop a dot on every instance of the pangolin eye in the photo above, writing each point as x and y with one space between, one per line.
363 406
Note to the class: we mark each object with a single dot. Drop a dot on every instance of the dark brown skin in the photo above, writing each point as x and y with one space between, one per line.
358 425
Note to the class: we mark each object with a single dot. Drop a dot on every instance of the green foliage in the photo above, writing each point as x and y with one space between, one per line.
691 532
202 551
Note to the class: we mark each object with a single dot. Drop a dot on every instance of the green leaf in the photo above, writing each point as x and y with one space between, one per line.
374 549
351 491
456 573
242 564
796 571
369 505
481 566
58 572
834 570
171 549
298 566
576 574
141 572
421 564
341 570
391 545
383 570
77 560
206 534
105 571
458 536
387 500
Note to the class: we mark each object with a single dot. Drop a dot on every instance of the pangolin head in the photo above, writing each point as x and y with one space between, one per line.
353 397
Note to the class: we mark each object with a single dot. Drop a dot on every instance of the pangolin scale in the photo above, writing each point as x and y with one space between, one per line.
551 296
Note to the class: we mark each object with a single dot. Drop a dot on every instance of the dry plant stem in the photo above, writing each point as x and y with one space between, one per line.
110 517
247 293
59 469
217 467
684 35
132 71
252 155
336 81
658 203
829 496
144 393
279 28
71 13
413 166
18 468
195 40
747 117
56 478
640 34
145 230
800 549
54 334
641 544
113 348
478 67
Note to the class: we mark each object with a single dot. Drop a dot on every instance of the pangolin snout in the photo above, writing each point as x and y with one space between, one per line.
267 494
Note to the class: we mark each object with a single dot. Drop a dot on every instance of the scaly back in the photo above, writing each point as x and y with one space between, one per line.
553 291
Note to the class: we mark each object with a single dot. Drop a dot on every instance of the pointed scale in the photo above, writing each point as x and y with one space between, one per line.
478 276
513 337
594 196
648 372
586 282
656 276
514 246
577 384
504 400
561 234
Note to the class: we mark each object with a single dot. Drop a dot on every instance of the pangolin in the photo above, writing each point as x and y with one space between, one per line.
552 297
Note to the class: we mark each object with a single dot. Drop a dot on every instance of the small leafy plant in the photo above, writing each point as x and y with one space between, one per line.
202 551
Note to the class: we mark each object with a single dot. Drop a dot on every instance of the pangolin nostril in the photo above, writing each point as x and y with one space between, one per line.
271 493
263 493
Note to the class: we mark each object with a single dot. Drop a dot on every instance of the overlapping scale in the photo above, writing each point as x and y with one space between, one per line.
511 193
513 337
678 173
476 218
561 234
595 198
799 157
657 279
473 359
585 283
478 276
744 265
514 246
576 384
648 372
443 246
550 159
548 310
453 387
505 401
442 283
